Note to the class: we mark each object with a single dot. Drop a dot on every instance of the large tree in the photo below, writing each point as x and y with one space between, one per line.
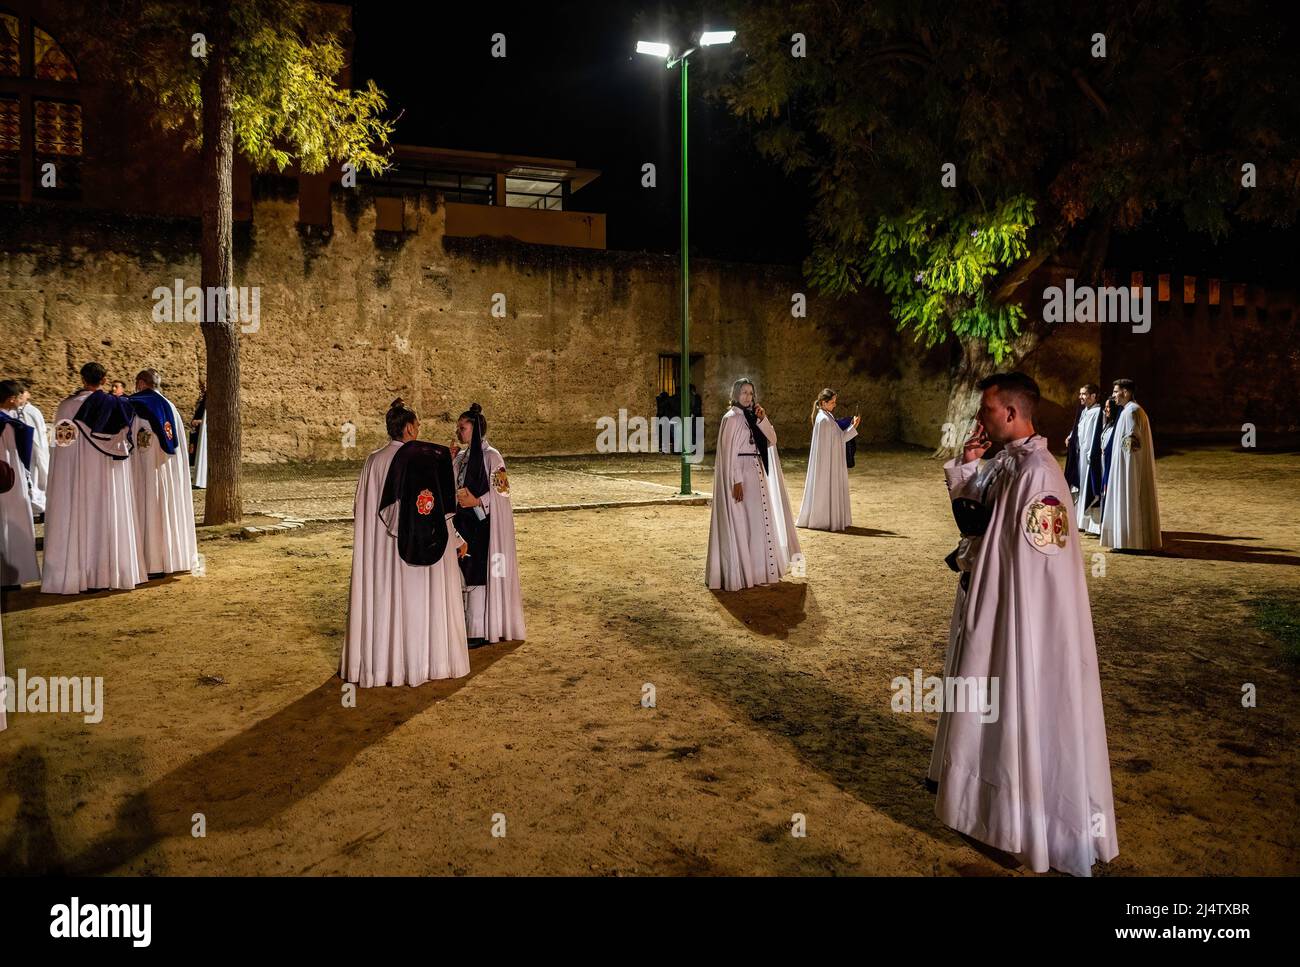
260 77
1063 123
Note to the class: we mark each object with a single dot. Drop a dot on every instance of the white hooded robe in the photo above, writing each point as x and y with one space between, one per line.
406 624
825 504
17 532
495 611
1088 522
1035 781
1131 515
91 538
40 476
164 505
752 541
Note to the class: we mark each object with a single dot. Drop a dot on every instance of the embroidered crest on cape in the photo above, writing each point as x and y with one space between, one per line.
167 428
1046 523
65 433
501 482
143 438
424 502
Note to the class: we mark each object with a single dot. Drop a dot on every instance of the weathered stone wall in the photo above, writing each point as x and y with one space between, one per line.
354 318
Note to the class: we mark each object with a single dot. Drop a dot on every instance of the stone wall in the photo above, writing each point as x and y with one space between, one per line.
351 318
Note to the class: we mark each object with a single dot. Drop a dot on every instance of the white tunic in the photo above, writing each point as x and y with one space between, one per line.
1088 522
752 541
1034 781
825 504
90 523
1131 516
495 611
406 625
40 477
201 454
164 506
17 532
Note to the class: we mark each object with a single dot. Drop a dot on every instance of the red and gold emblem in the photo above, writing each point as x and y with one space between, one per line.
167 428
501 482
424 502
65 433
1047 523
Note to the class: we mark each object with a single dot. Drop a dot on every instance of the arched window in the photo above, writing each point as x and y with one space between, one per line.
41 145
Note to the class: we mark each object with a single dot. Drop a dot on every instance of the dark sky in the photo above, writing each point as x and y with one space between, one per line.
572 86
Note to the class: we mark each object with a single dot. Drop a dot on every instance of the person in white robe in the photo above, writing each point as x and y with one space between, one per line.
825 504
406 623
1083 463
161 481
1025 768
494 606
18 563
752 537
1131 512
30 414
91 539
199 438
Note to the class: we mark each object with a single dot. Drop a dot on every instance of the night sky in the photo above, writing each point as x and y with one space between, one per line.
572 86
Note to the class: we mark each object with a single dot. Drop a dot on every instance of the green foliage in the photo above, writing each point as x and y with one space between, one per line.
1053 147
936 271
285 59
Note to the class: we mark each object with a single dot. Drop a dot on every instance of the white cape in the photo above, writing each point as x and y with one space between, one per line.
497 613
33 417
1035 781
825 504
164 505
751 542
1131 515
406 625
201 454
1088 522
90 522
17 532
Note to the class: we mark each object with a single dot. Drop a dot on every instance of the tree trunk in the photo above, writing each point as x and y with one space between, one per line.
964 397
223 502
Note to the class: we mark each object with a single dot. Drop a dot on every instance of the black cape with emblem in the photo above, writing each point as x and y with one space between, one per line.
420 489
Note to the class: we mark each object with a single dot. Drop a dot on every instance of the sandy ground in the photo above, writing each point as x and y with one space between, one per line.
221 698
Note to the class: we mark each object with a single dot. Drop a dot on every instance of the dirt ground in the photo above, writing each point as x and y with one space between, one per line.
221 697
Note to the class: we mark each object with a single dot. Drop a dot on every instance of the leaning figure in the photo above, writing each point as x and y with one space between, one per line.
825 503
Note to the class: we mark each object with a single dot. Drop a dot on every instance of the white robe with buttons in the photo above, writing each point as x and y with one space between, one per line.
40 473
17 532
751 541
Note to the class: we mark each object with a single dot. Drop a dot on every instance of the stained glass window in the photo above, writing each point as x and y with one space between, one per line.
52 64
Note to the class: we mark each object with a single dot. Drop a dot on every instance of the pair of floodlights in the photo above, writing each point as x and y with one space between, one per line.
707 39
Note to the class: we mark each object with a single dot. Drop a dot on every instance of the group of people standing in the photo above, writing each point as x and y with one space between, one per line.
434 565
1111 468
110 481
1031 778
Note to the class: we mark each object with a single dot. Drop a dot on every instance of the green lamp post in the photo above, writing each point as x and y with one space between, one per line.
707 39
